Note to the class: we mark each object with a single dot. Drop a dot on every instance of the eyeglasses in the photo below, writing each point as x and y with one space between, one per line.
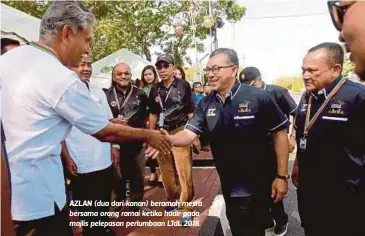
337 11
215 69
160 66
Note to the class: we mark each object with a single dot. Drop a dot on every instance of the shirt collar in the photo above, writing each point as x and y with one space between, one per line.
174 84
128 89
327 89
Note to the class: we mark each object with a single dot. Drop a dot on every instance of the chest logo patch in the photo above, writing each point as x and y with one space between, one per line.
304 107
244 107
337 108
211 112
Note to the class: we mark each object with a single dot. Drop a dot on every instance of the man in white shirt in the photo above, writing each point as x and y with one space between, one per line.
89 161
44 99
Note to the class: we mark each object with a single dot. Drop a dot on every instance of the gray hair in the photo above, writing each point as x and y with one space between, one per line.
231 54
61 13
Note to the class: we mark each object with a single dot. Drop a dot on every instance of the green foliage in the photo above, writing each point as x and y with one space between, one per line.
140 25
348 66
294 83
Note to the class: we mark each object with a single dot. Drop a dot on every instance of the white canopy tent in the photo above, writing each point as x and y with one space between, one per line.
102 69
17 25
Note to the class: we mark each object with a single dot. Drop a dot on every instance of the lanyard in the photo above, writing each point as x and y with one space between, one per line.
167 96
310 122
45 48
125 101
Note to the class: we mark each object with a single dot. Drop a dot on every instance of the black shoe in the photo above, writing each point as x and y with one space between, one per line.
280 229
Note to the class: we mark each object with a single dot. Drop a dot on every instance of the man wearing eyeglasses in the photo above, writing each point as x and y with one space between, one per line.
237 118
171 106
348 17
252 76
330 133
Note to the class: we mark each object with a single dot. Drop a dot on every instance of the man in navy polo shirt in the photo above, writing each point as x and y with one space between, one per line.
237 118
330 131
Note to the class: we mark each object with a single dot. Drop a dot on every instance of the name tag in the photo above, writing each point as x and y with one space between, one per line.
243 117
334 118
161 120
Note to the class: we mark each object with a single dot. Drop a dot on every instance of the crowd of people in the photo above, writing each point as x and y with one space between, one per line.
57 124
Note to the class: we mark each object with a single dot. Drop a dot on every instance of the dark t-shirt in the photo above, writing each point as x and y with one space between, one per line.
177 102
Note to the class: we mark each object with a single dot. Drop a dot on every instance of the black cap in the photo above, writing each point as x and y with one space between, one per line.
249 74
166 58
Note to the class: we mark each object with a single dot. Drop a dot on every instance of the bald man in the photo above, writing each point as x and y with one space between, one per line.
128 103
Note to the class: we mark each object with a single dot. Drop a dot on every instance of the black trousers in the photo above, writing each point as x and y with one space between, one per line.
246 215
339 211
132 165
93 186
56 225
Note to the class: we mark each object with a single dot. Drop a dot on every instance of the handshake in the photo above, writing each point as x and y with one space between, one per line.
155 141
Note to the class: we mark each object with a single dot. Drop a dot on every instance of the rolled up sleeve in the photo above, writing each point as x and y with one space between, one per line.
77 107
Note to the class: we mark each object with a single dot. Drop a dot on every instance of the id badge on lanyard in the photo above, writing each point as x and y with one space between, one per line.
161 119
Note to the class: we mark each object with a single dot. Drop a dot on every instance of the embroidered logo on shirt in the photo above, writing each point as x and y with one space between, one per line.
337 108
113 103
211 112
304 107
244 107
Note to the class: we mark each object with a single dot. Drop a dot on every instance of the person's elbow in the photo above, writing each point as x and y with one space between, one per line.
104 135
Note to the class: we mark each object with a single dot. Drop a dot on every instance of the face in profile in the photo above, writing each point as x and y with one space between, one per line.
177 74
76 44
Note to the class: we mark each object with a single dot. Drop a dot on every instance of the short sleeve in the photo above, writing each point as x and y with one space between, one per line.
272 117
154 107
287 103
77 107
198 123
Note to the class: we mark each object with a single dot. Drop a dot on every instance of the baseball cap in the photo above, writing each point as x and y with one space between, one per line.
166 58
249 74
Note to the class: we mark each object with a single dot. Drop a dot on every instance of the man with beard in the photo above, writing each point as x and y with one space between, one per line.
129 103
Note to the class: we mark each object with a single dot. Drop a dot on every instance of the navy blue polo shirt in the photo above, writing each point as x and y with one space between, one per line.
282 97
335 154
237 129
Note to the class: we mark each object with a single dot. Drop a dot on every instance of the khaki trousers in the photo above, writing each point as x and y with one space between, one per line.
176 172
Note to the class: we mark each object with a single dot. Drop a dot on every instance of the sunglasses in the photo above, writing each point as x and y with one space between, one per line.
337 11
163 65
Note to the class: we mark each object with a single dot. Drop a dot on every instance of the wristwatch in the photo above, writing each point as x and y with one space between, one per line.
283 177
116 146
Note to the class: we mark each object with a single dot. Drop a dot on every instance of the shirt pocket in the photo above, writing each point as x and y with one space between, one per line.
243 122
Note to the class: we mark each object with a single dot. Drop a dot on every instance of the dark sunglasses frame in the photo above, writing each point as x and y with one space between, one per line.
163 65
337 13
